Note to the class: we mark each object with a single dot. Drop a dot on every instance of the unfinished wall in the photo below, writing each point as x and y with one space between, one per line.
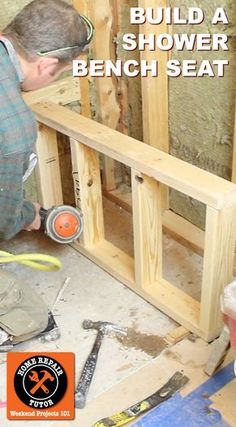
202 109
9 9
201 120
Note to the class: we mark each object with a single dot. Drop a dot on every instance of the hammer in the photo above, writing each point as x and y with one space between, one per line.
34 377
46 376
86 377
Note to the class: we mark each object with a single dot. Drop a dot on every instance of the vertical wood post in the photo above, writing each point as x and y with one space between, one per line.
155 93
48 169
82 7
220 239
107 105
147 223
88 193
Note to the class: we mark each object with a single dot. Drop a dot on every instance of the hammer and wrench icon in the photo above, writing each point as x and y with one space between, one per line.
40 383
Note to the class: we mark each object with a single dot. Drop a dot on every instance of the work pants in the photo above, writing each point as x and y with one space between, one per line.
23 314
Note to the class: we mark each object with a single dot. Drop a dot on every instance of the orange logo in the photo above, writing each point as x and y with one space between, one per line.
40 386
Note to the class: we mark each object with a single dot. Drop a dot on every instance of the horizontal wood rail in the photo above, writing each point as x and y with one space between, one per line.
150 169
184 177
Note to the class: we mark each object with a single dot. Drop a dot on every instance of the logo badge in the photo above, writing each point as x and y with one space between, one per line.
40 386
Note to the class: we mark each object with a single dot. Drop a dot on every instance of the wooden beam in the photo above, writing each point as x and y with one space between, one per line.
184 231
48 169
62 92
121 82
220 240
82 7
147 224
87 185
112 259
155 90
108 110
184 177
177 335
155 98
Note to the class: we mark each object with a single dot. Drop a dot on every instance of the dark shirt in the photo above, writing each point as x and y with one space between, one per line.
18 133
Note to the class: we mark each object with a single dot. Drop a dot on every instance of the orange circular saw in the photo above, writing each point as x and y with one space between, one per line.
63 224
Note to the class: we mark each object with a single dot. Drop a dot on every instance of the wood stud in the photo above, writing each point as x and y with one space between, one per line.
147 223
48 168
87 184
108 109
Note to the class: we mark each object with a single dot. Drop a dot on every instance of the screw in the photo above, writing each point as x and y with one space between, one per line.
139 179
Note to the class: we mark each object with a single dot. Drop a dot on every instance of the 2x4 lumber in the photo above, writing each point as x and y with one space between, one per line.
199 184
169 299
220 240
88 195
81 6
62 92
184 231
121 82
177 335
111 259
155 90
85 94
155 99
124 200
107 105
48 168
147 223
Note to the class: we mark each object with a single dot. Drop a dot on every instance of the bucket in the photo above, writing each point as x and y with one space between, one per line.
228 305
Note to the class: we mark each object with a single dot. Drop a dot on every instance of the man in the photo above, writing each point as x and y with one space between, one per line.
35 48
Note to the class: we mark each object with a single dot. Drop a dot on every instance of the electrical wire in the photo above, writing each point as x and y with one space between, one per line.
37 261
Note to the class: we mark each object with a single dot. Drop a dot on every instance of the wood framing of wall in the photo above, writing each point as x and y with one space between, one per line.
151 168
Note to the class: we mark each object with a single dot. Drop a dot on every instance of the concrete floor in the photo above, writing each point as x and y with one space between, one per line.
92 293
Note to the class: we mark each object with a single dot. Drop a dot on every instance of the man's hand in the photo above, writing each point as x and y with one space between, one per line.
35 225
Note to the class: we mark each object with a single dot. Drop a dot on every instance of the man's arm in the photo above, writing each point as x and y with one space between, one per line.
15 213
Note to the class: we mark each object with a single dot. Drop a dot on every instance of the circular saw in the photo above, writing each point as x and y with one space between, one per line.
63 224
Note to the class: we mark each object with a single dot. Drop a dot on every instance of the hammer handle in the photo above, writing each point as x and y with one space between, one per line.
87 373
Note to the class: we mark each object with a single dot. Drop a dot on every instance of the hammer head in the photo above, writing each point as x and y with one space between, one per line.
47 375
104 327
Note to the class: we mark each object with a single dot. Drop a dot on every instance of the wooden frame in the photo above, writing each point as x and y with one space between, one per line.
151 168
107 104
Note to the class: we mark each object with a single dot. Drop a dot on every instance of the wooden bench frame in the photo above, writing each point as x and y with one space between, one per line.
151 169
